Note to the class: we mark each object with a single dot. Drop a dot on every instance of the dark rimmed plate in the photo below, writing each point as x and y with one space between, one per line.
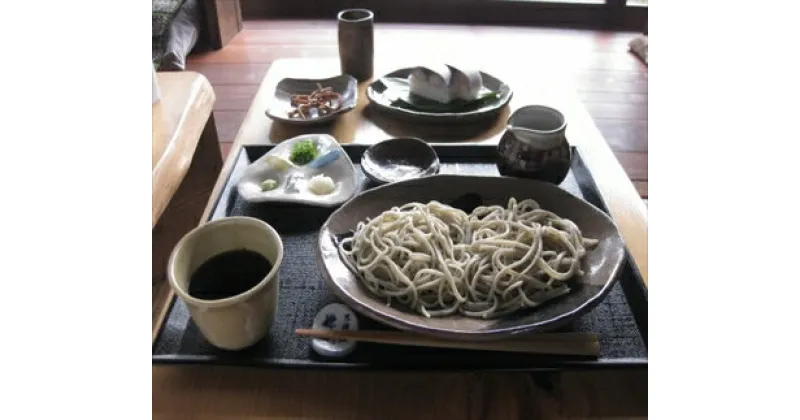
600 264
281 103
380 95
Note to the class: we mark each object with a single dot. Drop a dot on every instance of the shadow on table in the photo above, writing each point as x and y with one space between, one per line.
430 131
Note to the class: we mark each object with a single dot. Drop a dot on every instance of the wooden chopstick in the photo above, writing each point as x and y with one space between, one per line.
577 344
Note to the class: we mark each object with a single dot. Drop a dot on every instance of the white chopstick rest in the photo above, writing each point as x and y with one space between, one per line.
335 317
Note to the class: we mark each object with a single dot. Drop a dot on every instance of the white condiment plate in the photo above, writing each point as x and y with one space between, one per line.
332 161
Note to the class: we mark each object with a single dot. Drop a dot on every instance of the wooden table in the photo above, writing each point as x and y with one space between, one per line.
186 163
623 201
219 392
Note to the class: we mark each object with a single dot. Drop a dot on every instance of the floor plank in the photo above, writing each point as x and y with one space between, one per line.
609 80
596 85
635 164
625 97
641 186
617 111
321 31
606 80
235 97
228 123
225 148
230 74
622 135
554 57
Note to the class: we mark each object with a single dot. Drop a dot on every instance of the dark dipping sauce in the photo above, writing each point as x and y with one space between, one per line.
228 274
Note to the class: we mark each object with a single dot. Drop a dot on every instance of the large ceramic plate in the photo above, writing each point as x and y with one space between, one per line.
601 264
380 93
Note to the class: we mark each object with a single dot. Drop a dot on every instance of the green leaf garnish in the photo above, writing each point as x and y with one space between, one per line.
303 152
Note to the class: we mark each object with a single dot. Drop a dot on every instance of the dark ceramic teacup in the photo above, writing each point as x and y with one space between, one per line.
535 145
356 43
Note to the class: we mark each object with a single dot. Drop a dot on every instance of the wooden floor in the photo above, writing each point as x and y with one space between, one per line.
611 81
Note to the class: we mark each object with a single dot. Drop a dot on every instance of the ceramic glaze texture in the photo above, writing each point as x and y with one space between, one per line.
239 321
535 145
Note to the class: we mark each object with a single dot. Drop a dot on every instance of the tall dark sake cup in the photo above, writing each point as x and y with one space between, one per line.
357 43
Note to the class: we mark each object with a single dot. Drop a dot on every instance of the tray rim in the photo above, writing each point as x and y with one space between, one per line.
472 151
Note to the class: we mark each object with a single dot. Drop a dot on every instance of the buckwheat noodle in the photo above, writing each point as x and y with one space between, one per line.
438 260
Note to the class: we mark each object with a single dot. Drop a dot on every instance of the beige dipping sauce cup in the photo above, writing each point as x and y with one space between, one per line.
239 321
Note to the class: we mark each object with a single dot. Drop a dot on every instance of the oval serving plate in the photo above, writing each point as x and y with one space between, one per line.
380 94
600 264
281 102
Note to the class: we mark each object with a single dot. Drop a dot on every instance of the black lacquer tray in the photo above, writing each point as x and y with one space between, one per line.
620 320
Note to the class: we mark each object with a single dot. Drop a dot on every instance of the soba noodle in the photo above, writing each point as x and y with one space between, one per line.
438 260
